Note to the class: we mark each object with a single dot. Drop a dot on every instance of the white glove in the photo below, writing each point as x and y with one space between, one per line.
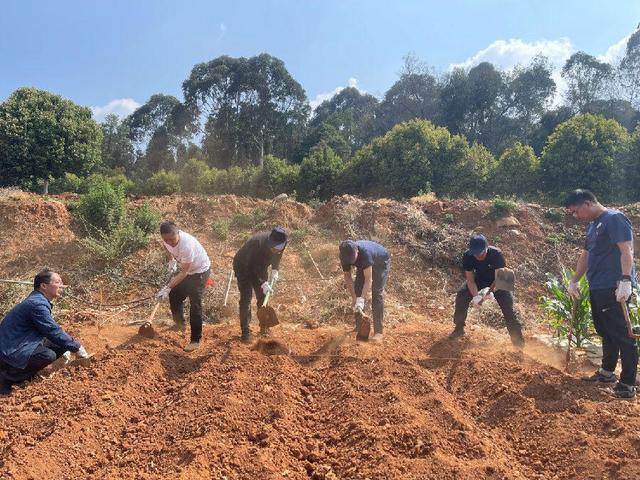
274 275
359 305
477 301
173 266
573 291
163 294
67 356
266 288
82 352
623 292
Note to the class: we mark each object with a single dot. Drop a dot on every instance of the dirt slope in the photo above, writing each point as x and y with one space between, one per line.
309 403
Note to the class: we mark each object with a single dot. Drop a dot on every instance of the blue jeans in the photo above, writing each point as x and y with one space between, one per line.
379 280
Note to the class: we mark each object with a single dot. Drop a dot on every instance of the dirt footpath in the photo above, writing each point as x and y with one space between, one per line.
316 404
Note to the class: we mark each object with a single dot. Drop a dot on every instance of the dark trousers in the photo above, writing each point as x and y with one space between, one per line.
505 301
43 355
247 285
378 281
193 287
608 319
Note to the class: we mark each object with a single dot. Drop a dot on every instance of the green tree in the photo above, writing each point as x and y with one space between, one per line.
43 136
278 176
248 108
588 80
517 172
193 176
117 148
628 72
587 151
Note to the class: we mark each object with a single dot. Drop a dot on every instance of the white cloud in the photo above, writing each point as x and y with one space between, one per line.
321 97
121 107
615 52
222 30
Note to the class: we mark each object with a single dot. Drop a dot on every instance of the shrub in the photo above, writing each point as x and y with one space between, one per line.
502 207
558 308
554 214
193 176
111 247
277 177
102 208
517 172
319 175
145 218
221 229
70 182
161 183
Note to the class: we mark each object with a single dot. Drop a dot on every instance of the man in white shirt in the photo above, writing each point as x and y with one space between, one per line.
190 281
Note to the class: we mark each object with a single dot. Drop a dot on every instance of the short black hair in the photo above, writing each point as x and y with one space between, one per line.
168 226
42 277
578 197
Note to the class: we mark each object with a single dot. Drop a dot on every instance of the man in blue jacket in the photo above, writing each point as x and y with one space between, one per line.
30 339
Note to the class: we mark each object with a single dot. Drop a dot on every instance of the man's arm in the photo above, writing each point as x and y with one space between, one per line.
44 323
471 282
581 267
348 282
368 275
184 270
626 256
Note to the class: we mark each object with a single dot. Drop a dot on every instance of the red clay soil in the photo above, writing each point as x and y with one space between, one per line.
317 404
311 402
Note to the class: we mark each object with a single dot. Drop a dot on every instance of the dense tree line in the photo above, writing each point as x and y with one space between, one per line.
477 131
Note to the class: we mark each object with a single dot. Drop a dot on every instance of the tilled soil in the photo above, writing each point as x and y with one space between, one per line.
317 404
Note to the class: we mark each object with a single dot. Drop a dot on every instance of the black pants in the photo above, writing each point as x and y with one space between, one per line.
193 287
43 355
248 283
608 318
378 281
505 301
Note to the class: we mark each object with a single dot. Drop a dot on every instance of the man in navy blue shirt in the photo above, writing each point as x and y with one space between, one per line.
607 259
29 337
372 264
480 263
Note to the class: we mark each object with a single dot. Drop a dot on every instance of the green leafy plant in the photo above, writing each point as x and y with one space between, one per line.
502 207
254 219
554 214
221 229
112 247
102 208
146 218
558 308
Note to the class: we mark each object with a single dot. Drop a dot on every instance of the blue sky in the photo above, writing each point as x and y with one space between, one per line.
114 54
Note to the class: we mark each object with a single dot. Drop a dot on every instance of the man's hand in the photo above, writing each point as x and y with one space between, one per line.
623 292
359 305
82 353
266 288
573 291
477 301
172 267
274 276
67 356
163 294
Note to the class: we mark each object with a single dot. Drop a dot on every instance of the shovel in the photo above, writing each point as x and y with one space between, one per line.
572 320
627 319
146 329
363 326
226 309
505 279
267 315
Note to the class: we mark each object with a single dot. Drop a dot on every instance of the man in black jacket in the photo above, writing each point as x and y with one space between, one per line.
250 266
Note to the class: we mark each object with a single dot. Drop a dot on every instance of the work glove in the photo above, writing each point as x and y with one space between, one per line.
477 301
274 276
67 356
573 291
163 294
266 288
82 352
173 266
623 292
359 305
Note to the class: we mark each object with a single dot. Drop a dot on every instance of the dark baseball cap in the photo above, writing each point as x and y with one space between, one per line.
278 238
478 244
348 251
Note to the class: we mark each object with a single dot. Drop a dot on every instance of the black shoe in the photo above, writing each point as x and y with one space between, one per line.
246 338
5 385
457 333
600 377
622 391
